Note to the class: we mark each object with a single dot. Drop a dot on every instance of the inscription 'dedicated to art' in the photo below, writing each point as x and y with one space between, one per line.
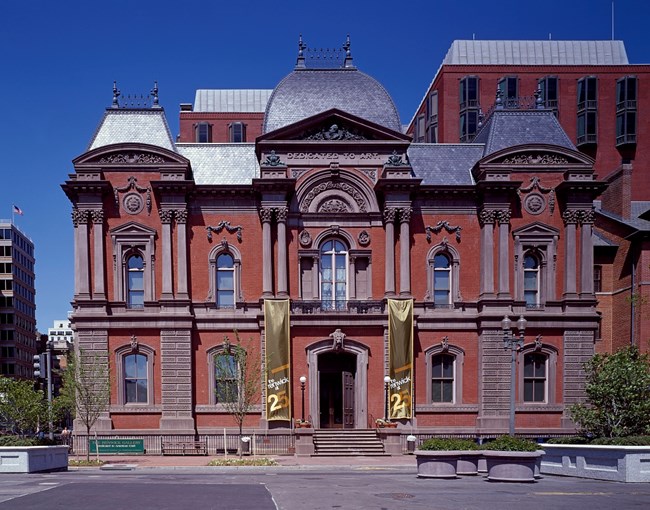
332 156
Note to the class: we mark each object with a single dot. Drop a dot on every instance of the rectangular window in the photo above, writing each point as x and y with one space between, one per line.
548 87
468 125
587 128
588 93
442 378
237 132
534 378
203 132
626 113
419 129
598 278
469 92
509 88
225 372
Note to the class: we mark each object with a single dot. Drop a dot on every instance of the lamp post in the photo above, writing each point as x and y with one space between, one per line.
303 380
386 384
513 343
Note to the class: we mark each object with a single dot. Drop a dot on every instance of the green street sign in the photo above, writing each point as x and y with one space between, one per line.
117 445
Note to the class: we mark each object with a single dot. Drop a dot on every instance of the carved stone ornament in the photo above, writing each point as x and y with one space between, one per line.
503 216
225 225
180 215
133 203
536 159
273 160
334 205
538 343
134 343
389 214
97 216
281 213
305 238
364 238
166 215
266 215
395 160
443 224
487 216
405 214
536 187
445 343
534 204
133 190
335 132
79 216
124 158
338 338
578 216
337 185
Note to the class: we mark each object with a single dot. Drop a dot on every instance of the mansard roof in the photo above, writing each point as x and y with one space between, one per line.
444 164
568 53
231 100
307 92
509 128
221 163
148 126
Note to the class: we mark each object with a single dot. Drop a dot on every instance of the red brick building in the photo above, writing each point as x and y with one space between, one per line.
331 206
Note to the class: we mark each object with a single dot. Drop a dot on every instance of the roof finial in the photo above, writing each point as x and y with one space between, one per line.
348 53
539 100
499 102
301 57
154 93
116 94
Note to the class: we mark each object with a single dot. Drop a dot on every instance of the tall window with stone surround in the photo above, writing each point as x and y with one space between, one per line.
531 280
333 275
135 379
135 281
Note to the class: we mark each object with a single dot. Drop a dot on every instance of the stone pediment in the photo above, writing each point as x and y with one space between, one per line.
132 229
334 126
536 156
536 229
130 155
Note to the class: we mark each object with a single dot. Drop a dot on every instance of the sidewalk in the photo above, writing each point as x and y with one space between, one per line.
170 461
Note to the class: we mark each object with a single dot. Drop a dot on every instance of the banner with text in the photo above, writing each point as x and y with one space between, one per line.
400 358
278 387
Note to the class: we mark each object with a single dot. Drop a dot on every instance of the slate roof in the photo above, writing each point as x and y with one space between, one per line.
133 126
509 128
463 52
637 208
231 100
221 163
307 92
444 164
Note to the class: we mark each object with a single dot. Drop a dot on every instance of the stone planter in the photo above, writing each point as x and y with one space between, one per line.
614 463
437 463
33 459
468 463
511 466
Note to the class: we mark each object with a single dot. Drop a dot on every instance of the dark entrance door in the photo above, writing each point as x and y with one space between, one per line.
336 375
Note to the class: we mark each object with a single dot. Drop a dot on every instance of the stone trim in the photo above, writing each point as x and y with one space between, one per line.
120 354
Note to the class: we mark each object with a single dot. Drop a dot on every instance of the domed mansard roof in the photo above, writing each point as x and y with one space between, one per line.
306 92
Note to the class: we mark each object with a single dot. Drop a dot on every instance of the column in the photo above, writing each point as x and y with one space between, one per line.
586 255
352 278
281 218
389 256
82 284
504 255
405 251
166 220
181 253
267 260
487 219
570 220
315 278
99 288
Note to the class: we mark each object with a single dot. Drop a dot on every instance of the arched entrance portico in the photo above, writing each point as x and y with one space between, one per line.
338 396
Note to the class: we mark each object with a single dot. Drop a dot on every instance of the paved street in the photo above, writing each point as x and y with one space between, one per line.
303 487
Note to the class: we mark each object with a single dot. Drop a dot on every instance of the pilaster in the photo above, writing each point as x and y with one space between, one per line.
487 219
176 381
405 251
266 213
166 221
181 249
389 254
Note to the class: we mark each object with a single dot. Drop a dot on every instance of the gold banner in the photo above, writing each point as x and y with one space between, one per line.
400 354
278 387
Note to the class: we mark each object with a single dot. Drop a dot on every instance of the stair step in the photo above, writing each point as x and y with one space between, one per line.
348 442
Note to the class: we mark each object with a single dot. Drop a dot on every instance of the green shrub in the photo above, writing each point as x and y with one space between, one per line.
25 441
569 440
511 444
623 441
618 395
451 443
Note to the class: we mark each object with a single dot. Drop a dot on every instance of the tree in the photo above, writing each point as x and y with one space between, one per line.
86 389
618 395
22 409
238 377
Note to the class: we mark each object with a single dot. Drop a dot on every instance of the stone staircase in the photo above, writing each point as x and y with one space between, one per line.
347 442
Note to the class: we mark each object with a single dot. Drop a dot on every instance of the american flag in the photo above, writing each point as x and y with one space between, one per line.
18 210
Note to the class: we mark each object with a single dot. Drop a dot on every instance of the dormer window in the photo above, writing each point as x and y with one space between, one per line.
237 132
203 132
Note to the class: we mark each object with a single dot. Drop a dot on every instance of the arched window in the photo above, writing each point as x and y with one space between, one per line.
136 379
531 280
442 279
535 377
135 281
442 378
225 291
226 380
333 275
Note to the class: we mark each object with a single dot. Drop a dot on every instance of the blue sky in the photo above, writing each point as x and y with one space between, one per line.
59 60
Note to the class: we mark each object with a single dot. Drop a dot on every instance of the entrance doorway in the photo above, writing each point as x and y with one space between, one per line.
336 389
